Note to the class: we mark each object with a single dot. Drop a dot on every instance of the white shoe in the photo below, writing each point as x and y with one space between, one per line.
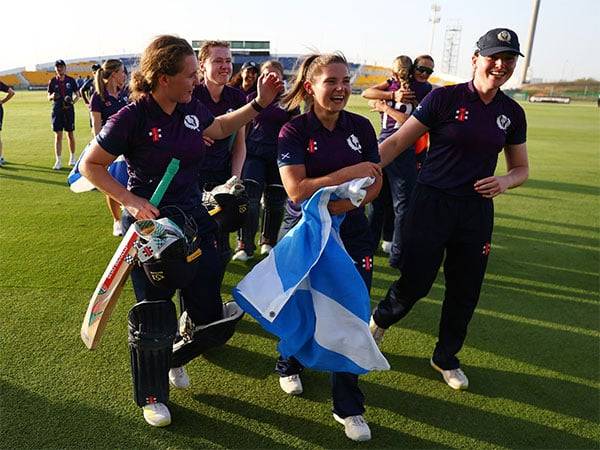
241 255
157 414
72 160
454 378
265 249
117 228
386 246
376 331
178 378
355 427
2 161
291 385
57 165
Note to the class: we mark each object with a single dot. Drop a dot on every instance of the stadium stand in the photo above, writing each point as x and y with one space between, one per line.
10 80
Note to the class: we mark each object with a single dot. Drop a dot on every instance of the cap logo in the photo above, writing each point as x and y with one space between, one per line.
354 143
191 121
503 122
504 36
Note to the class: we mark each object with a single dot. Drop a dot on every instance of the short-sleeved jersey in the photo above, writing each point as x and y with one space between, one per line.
4 87
107 107
304 140
68 86
149 138
466 136
388 124
264 129
218 155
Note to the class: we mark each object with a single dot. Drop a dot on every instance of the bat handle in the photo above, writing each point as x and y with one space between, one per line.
172 169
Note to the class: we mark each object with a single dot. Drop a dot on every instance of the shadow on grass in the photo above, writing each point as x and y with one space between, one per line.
318 434
570 226
562 187
241 361
563 397
32 421
495 429
251 327
35 180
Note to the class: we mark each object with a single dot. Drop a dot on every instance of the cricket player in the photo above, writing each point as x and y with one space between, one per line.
9 94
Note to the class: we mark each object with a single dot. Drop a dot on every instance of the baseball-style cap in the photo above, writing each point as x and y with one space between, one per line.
95 67
59 62
498 40
250 65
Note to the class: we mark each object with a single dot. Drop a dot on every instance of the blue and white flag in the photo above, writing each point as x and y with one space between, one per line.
309 293
78 183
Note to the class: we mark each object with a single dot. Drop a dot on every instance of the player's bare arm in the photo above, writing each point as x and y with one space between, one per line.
401 140
517 165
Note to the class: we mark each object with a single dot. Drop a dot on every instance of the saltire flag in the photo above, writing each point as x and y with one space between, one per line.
78 183
308 292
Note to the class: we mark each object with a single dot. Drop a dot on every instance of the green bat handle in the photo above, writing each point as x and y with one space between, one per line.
172 169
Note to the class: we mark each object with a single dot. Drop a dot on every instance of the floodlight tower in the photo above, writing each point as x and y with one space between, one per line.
434 18
532 26
451 48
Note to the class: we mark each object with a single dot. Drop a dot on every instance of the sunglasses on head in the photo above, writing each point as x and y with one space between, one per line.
427 70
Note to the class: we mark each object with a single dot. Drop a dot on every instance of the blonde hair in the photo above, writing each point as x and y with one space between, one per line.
402 68
102 75
271 63
164 56
204 51
310 68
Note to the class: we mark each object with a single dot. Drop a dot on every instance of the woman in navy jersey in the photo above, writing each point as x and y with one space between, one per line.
107 99
9 94
224 157
451 216
245 79
327 146
396 99
164 121
63 93
261 175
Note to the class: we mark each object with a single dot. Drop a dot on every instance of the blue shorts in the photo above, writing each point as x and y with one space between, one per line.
63 119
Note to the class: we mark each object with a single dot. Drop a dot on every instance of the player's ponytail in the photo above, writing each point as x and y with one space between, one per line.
164 56
103 74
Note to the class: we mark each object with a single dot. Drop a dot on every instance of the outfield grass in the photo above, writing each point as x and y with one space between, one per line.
532 354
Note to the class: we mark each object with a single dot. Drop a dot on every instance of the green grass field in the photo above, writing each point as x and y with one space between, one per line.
532 354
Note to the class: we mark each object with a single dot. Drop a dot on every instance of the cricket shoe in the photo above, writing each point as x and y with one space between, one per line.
178 378
72 160
291 385
265 249
355 427
117 228
241 255
57 165
2 162
376 331
386 246
455 378
157 414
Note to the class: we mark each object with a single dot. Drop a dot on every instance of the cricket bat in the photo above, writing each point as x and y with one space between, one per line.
109 288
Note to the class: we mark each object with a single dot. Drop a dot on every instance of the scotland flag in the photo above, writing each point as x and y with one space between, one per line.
309 294
78 183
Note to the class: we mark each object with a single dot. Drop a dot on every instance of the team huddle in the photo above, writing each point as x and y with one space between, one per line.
429 179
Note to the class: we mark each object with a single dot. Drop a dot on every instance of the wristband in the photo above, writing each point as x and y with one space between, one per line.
256 106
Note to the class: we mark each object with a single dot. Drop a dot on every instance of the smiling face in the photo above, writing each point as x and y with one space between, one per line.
249 76
493 71
178 88
119 76
421 74
217 67
330 88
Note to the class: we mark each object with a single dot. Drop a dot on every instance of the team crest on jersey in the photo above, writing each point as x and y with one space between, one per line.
155 134
461 114
312 146
354 143
191 121
503 122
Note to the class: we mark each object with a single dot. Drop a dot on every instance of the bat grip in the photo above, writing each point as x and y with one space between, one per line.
172 169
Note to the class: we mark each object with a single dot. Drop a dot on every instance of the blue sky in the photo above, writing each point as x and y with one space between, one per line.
566 44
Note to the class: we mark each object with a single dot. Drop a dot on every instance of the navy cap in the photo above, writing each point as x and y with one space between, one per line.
250 65
498 40
95 67
59 62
